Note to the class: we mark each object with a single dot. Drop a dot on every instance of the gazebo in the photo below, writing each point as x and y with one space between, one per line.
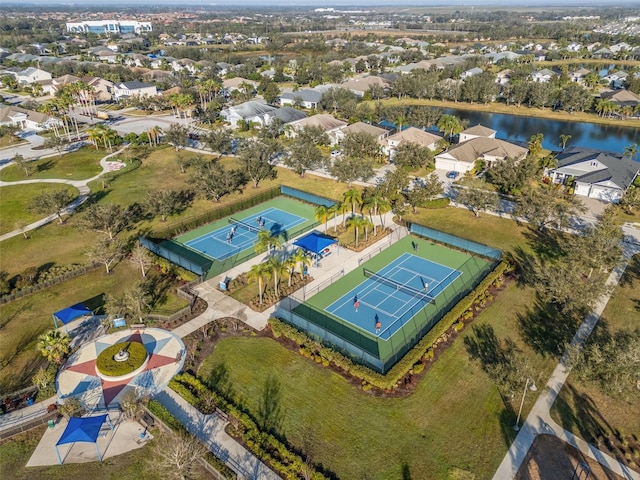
69 314
316 243
86 429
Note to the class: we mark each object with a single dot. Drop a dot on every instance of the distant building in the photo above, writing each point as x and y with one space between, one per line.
113 27
26 119
134 88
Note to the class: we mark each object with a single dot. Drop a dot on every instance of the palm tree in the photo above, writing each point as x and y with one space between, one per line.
260 272
449 125
384 206
343 208
302 260
357 222
334 210
631 151
564 139
322 214
372 198
290 264
354 197
278 267
265 240
54 345
95 134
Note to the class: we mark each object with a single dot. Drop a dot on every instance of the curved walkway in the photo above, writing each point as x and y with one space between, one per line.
81 185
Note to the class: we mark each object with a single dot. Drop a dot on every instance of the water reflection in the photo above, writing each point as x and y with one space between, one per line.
520 129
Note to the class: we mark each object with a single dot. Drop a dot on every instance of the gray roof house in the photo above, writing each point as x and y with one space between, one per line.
601 175
308 98
251 111
288 114
462 157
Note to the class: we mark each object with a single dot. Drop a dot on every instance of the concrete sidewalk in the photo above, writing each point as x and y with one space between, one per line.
539 420
210 430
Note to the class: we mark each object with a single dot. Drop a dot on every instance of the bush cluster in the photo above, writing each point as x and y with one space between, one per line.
106 365
264 445
423 350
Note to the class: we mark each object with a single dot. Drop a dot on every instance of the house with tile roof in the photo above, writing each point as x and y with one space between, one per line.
413 135
133 89
328 123
463 156
622 98
475 132
26 119
360 127
601 175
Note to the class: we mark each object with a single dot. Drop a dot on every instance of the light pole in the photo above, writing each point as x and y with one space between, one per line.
533 388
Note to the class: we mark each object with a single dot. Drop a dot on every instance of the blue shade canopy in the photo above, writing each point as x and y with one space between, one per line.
68 314
315 242
84 429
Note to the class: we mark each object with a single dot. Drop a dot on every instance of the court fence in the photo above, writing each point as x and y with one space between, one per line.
216 213
306 196
457 242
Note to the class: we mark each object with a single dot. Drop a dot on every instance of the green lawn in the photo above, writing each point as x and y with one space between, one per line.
15 453
454 419
11 141
581 408
80 165
15 201
26 318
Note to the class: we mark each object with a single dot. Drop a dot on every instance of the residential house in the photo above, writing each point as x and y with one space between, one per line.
504 76
579 75
133 89
616 79
328 123
410 135
463 156
475 132
620 47
360 127
472 72
252 111
26 119
31 75
105 55
622 98
103 90
601 175
603 53
285 114
574 47
238 83
543 76
360 86
307 98
500 56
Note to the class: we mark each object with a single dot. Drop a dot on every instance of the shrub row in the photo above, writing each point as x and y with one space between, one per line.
264 445
423 350
45 281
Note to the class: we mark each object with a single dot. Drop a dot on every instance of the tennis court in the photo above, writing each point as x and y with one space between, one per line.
388 298
241 232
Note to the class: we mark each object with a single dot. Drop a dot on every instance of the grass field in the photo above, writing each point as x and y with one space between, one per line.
15 453
581 408
23 320
454 419
15 201
80 165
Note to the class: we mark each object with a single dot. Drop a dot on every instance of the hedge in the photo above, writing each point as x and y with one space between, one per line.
310 348
107 365
264 445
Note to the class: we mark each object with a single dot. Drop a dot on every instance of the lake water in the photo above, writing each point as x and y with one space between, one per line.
517 128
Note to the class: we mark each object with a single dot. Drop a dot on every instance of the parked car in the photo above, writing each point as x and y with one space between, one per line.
335 153
453 174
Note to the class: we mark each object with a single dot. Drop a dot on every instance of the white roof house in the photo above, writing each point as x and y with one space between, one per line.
308 98
132 89
26 119
31 75
251 111
475 132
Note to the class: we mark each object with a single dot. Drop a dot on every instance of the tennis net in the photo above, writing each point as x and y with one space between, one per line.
397 285
244 225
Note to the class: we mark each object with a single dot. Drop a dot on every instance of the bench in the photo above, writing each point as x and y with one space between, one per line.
138 326
147 420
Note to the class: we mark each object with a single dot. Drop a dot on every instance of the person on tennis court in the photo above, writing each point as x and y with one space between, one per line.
229 237
233 230
378 324
258 220
415 246
356 303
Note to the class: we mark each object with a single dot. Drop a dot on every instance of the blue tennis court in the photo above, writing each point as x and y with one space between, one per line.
231 239
382 303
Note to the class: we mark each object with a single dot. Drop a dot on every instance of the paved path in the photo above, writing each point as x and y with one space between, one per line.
210 430
81 185
539 420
